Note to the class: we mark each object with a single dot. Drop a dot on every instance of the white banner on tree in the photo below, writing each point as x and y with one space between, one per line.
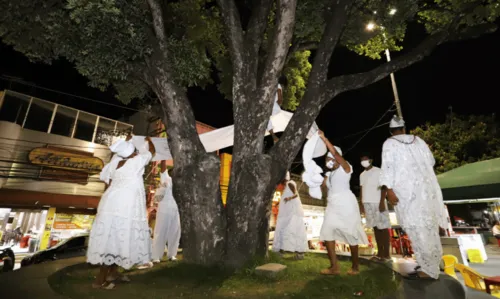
217 139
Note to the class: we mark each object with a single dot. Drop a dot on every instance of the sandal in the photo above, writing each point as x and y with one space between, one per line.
330 271
120 278
105 286
352 272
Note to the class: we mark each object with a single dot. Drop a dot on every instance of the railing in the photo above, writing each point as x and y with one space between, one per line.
44 116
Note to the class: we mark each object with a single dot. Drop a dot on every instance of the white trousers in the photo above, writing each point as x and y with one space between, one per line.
167 231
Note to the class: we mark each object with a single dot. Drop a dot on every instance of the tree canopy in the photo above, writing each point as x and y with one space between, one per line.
461 140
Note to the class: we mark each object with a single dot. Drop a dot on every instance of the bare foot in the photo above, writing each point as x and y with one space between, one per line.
353 272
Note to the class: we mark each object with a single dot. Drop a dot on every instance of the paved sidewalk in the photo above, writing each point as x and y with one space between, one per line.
31 282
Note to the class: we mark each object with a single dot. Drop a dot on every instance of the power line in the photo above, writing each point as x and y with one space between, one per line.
69 94
373 127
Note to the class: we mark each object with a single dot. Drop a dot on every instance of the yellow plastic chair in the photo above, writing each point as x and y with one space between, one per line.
475 280
449 265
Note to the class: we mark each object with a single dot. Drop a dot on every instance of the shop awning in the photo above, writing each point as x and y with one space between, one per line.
473 181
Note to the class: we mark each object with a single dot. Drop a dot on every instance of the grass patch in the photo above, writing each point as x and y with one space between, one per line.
180 280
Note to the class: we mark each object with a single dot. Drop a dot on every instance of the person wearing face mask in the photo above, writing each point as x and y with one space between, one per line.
342 221
412 188
374 207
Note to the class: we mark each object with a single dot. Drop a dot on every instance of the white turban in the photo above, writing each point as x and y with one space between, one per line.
122 148
397 122
339 151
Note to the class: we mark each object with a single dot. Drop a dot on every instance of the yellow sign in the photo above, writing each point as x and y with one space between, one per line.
225 173
51 214
475 256
65 160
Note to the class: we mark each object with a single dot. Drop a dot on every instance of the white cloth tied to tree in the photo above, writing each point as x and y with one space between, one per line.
313 148
224 137
217 139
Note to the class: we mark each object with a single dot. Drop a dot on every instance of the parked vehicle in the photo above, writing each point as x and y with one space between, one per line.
7 259
72 247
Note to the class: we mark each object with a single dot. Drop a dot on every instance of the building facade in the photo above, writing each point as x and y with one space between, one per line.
50 158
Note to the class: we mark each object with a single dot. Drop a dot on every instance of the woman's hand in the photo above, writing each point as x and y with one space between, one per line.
392 197
321 134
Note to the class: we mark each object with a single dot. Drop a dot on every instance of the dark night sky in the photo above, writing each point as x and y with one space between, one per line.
463 75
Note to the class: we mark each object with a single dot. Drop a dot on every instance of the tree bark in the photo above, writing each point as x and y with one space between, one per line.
196 183
249 208
196 173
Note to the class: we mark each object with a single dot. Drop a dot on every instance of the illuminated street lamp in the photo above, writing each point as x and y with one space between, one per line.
370 27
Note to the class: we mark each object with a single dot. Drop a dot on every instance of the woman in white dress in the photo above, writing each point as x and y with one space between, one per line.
342 222
120 233
168 222
290 234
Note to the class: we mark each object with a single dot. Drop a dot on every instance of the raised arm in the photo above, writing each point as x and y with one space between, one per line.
280 96
338 157
163 166
152 148
294 191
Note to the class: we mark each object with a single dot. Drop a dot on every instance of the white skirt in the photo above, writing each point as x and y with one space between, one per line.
342 220
290 234
120 232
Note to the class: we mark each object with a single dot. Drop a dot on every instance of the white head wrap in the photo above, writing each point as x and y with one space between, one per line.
396 122
122 148
338 151
287 177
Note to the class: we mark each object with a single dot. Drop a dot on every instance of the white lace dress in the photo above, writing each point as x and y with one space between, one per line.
120 233
290 234
407 168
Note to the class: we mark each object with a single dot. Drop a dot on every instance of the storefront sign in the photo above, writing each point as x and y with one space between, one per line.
60 159
73 221
44 243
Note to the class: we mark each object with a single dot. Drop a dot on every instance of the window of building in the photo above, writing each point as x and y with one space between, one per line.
64 121
39 115
85 126
14 107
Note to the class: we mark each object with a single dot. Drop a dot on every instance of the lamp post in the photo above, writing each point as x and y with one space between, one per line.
370 27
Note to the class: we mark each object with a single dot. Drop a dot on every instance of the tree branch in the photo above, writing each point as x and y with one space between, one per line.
257 25
345 83
298 46
158 22
285 21
339 12
234 34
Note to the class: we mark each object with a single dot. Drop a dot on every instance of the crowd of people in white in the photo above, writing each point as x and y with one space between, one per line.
120 236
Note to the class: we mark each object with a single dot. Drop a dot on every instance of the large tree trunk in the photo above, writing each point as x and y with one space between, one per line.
196 176
248 208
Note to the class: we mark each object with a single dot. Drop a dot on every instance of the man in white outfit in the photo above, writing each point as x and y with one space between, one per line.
374 207
412 187
168 225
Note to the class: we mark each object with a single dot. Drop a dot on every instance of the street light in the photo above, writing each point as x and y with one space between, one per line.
370 27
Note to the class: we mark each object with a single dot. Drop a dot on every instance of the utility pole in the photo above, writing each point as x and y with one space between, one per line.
394 86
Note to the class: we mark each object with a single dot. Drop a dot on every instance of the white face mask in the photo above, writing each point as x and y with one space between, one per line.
330 164
365 163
